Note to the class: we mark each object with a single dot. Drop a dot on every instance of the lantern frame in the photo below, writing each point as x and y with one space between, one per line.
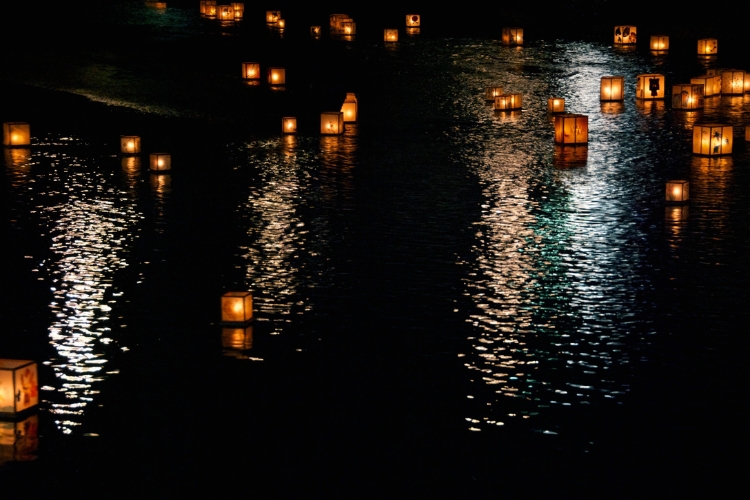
571 128
659 43
276 76
160 163
19 386
289 125
677 191
273 16
713 139
508 102
250 71
512 36
390 35
733 81
711 84
413 21
621 38
237 307
130 144
649 86
332 123
687 96
708 46
16 134
556 105
612 88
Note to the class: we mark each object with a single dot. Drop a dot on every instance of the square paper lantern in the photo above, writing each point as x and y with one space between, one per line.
625 35
160 162
281 24
225 12
16 134
678 191
237 307
711 84
512 36
733 81
348 27
208 6
649 86
276 76
413 21
712 139
687 96
708 46
571 129
19 386
659 43
272 16
289 125
250 70
491 92
507 102
613 88
390 35
130 144
332 123
349 108
555 105
239 10
315 31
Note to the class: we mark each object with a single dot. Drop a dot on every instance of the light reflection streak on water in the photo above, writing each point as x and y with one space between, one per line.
89 222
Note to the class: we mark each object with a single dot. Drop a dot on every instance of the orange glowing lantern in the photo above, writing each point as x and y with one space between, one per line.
130 144
19 439
315 31
239 10
491 92
678 191
659 43
613 88
390 35
733 81
207 7
237 307
289 125
711 84
349 108
19 386
335 21
708 46
281 24
332 123
348 27
625 35
512 36
712 139
16 134
687 96
272 17
571 128
160 162
649 86
555 105
413 21
276 76
250 70
507 102
225 12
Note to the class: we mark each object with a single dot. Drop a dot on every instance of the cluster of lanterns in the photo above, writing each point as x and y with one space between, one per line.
223 12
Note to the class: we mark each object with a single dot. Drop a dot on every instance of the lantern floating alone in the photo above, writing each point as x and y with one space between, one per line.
390 35
332 123
413 21
555 105
19 386
678 191
289 125
612 88
160 162
507 102
708 46
712 139
276 76
571 128
512 36
649 86
16 134
687 96
659 43
349 108
237 307
625 35
130 144
711 84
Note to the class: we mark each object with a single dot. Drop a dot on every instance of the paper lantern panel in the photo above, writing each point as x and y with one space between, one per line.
349 108
571 129
713 139
507 102
659 43
16 134
332 123
130 144
555 105
625 35
708 46
711 84
491 92
512 36
276 76
733 81
19 386
390 35
678 191
687 96
649 86
289 125
612 88
413 21
250 70
160 162
237 307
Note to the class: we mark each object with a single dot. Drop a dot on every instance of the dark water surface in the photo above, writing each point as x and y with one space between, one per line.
446 303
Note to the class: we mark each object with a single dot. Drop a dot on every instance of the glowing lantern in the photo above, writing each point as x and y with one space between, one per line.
649 86
571 129
625 35
712 139
315 31
160 162
272 16
390 35
708 46
678 191
711 84
335 21
349 108
130 144
19 386
281 24
733 81
210 11
19 439
225 12
289 125
16 134
659 43
237 307
687 96
276 76
507 102
512 36
413 21
332 123
250 70
239 10
491 92
348 27
612 88
555 105
208 6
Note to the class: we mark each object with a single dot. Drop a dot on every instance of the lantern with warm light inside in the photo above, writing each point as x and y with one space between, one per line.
335 21
160 162
390 35
315 31
276 76
733 81
349 108
712 139
612 88
289 125
413 21
555 105
225 12
207 7
16 134
237 307
571 128
239 10
19 386
250 70
272 17
659 43
625 35
491 92
332 123
649 86
348 27
507 102
512 36
678 191
708 46
687 96
130 144
711 84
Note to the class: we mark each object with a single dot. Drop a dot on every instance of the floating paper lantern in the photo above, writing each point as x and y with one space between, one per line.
349 108
315 31
613 88
335 21
160 162
281 24
237 307
272 17
348 27
276 76
732 81
687 96
708 46
711 84
332 123
712 139
289 125
491 92
390 35
16 134
225 12
208 7
659 43
571 129
512 36
239 10
507 102
19 386
413 21
678 191
555 105
130 144
625 35
649 86
250 70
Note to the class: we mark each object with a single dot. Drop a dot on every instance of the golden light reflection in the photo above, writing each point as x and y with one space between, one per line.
19 439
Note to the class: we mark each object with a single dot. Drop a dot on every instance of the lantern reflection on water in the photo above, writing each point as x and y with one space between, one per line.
625 35
276 76
19 439
678 191
19 388
16 134
747 132
237 307
687 96
160 162
130 144
712 139
708 46
612 88
332 123
512 36
571 129
570 156
555 105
